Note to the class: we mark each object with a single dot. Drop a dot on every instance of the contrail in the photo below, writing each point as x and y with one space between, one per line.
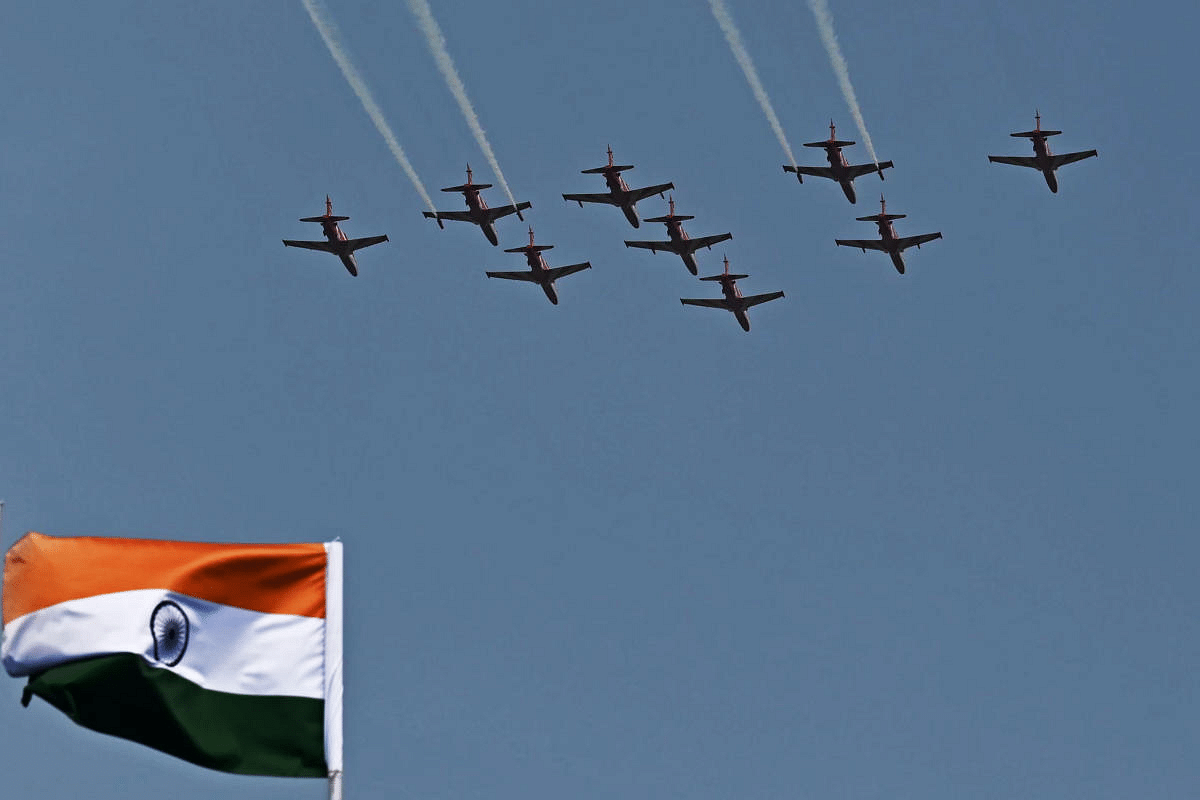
725 20
437 46
820 10
329 32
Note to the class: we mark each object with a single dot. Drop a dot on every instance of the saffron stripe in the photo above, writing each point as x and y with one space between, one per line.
123 696
42 571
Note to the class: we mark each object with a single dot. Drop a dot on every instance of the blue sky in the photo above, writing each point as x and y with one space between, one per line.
912 537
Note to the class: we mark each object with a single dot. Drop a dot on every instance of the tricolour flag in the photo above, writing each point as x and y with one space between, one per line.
225 655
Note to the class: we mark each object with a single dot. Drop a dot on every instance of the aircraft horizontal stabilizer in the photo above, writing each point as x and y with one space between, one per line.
725 277
326 218
670 218
1034 134
530 248
602 170
827 143
467 186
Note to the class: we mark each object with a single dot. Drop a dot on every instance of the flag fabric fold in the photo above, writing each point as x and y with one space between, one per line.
225 655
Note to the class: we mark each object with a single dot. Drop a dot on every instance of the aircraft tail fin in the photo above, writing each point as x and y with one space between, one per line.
1037 132
610 167
882 216
531 247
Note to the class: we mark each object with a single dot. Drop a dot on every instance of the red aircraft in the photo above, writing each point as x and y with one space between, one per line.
619 194
891 244
1042 158
539 272
338 244
733 300
838 169
681 244
477 209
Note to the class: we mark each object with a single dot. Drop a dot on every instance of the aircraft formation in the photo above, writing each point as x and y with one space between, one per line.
678 242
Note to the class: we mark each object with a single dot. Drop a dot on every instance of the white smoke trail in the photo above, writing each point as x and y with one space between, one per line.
437 46
725 20
329 33
820 9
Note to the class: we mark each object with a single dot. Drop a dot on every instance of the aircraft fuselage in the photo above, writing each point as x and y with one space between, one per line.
1041 152
678 236
335 236
841 171
537 264
887 232
477 205
733 295
620 192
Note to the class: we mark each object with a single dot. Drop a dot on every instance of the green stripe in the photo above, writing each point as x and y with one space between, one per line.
124 696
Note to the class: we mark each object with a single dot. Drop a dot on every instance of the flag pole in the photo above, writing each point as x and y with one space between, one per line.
333 666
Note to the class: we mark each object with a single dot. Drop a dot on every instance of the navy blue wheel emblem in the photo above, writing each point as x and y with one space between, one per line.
170 628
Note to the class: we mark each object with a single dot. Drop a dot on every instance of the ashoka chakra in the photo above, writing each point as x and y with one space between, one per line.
170 628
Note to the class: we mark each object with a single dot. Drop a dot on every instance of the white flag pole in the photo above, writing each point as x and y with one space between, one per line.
333 667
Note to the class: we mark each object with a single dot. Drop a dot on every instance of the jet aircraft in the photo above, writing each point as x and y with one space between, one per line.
539 272
733 300
838 170
477 209
890 243
1042 158
338 244
680 244
619 194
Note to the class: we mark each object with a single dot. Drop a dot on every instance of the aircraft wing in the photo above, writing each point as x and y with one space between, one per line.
324 247
496 213
905 242
357 244
634 195
561 272
1016 161
593 198
653 247
816 172
692 245
866 169
456 216
1071 158
527 275
863 244
755 299
705 303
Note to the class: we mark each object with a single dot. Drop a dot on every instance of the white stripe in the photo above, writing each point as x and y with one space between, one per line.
333 665
228 650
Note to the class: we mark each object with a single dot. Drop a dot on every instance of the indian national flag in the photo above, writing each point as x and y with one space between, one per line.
225 655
